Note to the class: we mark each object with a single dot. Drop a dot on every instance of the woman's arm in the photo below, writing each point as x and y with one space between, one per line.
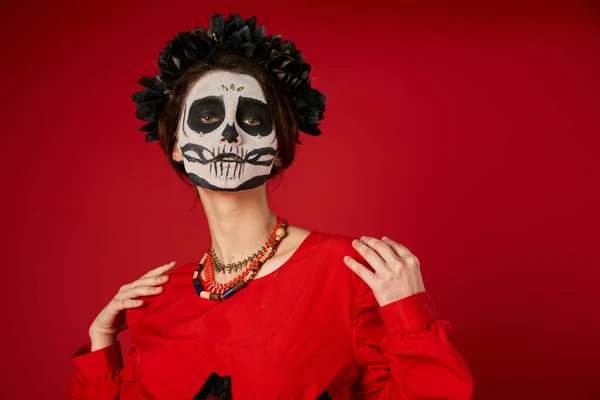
101 375
401 347
100 372
403 351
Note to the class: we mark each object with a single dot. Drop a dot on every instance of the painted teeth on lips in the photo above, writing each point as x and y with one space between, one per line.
229 157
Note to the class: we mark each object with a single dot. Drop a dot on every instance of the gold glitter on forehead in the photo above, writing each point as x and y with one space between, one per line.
232 87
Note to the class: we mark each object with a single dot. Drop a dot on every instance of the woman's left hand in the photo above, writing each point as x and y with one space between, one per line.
397 272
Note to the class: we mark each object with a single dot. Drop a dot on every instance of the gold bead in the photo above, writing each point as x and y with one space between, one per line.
280 233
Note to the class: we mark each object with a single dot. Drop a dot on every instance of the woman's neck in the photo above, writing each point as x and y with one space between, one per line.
240 223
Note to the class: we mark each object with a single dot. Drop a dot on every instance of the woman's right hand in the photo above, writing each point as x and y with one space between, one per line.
111 320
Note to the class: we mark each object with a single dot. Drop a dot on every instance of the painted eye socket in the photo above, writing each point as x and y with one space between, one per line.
252 121
209 119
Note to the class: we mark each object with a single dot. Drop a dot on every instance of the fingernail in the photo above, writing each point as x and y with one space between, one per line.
164 278
346 259
157 289
384 238
354 242
363 238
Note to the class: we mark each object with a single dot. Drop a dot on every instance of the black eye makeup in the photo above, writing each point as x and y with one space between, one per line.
206 114
253 117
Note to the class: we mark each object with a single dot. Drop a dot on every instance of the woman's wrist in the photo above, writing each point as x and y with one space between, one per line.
99 340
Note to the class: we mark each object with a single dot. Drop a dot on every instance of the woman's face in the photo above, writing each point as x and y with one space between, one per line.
226 135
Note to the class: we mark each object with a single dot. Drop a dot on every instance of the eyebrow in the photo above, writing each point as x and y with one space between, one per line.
252 101
208 99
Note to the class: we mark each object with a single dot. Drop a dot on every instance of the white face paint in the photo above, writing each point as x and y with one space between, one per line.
226 134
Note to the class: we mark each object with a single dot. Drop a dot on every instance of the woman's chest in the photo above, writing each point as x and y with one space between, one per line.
286 342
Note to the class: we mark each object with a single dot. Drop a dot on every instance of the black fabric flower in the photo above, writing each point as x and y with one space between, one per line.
238 36
215 387
150 103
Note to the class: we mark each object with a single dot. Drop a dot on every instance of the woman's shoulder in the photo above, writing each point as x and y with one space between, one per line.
184 270
331 243
178 285
322 254
336 240
318 248
180 280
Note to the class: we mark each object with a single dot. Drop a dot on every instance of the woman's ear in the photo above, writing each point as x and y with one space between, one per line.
177 156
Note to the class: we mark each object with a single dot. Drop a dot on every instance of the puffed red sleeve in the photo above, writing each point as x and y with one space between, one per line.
403 351
101 375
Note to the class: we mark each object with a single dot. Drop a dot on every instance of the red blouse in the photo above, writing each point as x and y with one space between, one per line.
308 327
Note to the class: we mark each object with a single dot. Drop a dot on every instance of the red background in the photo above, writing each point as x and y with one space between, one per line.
467 133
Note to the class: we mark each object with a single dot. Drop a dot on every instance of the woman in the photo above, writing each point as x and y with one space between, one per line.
271 311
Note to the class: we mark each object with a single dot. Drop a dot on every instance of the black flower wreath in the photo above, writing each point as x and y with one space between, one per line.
240 37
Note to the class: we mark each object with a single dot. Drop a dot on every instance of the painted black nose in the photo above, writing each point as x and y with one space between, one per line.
230 134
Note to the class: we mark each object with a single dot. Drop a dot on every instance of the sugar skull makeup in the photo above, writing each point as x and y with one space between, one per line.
226 134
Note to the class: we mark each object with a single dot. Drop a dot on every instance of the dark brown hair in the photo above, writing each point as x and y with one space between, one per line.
282 114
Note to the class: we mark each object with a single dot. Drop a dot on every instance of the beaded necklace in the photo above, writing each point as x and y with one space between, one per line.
220 267
221 291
